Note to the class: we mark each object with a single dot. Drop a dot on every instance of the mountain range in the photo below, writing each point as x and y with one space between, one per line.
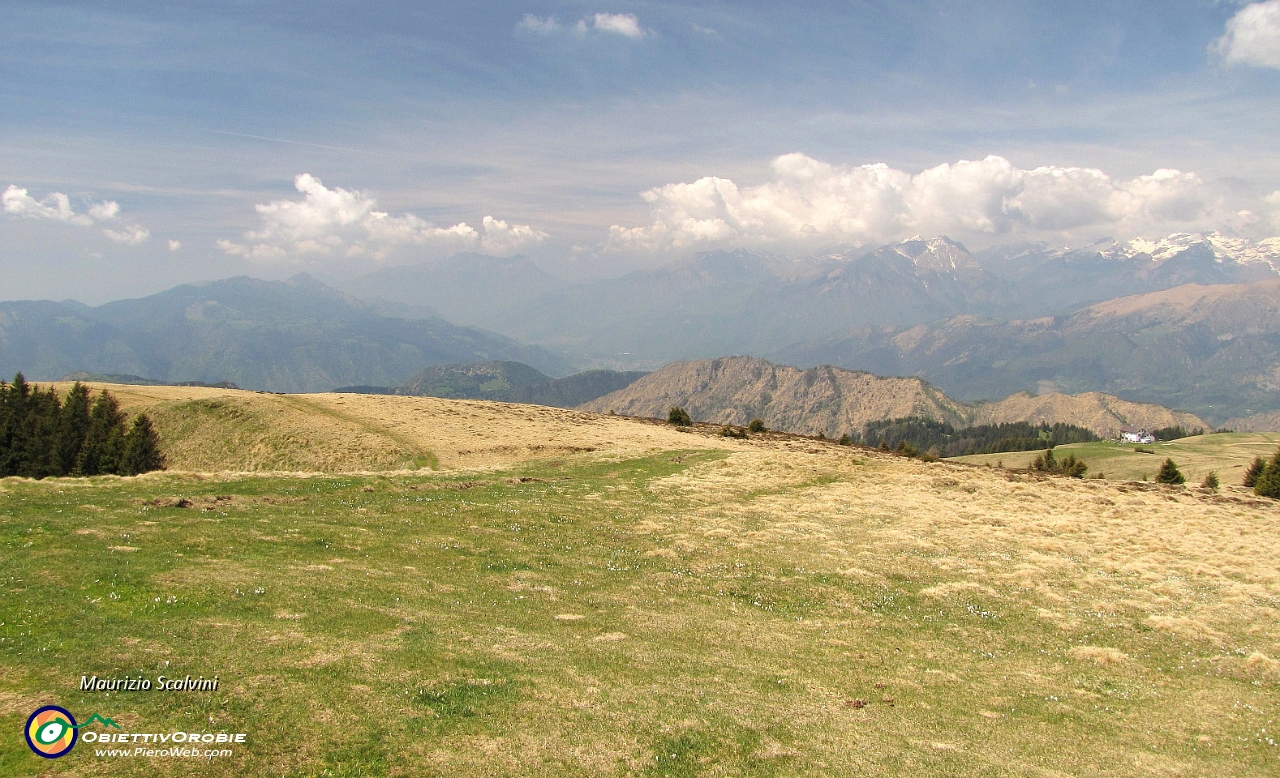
1214 350
1189 321
504 381
284 336
744 301
833 401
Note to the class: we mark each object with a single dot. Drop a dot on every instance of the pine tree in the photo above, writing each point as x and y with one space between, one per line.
73 426
679 417
1169 474
1268 484
1253 471
40 434
1210 481
141 448
1045 463
104 440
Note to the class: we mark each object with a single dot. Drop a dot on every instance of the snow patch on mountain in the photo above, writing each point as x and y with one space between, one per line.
1225 249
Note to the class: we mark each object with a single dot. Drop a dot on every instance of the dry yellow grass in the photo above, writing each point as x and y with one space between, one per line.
857 612
210 430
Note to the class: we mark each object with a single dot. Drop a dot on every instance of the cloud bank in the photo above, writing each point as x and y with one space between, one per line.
342 222
56 206
1253 36
810 199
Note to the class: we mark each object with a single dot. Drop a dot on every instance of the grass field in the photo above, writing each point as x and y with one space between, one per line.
771 607
1227 454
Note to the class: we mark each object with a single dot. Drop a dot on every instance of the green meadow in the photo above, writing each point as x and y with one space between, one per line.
666 615
1226 453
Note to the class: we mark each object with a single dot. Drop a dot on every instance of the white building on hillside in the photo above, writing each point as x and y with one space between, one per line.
1135 435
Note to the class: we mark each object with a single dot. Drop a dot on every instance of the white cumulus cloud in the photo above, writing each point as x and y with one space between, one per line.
331 222
1252 36
175 245
811 199
130 235
500 238
622 24
56 206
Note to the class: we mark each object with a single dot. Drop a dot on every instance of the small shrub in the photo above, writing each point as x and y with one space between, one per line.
731 432
906 449
679 417
845 440
756 426
1210 481
1169 474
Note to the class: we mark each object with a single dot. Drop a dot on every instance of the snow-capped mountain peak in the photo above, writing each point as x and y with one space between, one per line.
1224 249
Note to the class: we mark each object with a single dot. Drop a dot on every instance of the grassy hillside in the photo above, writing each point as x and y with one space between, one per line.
667 604
1226 453
206 429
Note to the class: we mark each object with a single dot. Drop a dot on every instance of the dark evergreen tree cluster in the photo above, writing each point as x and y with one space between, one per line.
945 440
1175 432
1070 466
43 435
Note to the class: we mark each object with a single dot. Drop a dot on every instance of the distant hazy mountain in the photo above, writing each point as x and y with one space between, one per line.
833 401
292 336
1213 350
725 302
1056 281
466 288
514 382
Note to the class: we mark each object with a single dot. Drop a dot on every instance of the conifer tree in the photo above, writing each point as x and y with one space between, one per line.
1169 474
104 440
141 448
1253 471
1268 484
40 434
73 426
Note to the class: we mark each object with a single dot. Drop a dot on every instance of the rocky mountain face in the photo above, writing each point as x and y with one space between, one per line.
1212 350
834 401
292 336
735 390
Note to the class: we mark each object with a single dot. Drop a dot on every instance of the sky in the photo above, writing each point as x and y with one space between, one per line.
144 145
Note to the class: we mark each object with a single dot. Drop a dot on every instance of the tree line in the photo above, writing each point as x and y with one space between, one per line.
43 435
942 439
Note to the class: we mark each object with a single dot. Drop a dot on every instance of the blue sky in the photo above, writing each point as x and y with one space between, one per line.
197 141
